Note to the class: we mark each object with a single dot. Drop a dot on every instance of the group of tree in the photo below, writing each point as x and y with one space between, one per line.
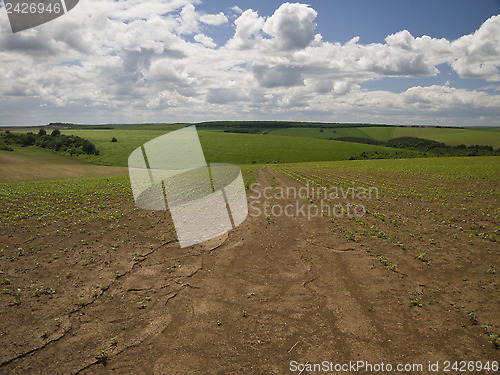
56 141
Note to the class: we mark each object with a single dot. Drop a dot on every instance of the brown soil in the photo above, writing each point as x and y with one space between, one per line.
119 298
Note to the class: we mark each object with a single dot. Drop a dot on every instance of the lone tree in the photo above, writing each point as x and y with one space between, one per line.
55 133
42 132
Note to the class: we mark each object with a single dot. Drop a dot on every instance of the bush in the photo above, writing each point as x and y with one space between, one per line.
56 141
58 145
28 140
4 146
114 140
88 148
42 132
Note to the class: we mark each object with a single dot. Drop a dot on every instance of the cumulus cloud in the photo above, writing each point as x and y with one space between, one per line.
206 40
188 20
155 60
292 26
478 54
248 30
214 19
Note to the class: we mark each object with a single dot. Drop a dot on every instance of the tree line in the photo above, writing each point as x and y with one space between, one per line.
427 146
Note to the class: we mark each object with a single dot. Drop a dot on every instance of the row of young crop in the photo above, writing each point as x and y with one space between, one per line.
409 201
425 225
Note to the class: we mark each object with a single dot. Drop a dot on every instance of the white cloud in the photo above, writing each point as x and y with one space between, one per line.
188 20
206 40
153 60
278 76
226 95
236 9
478 54
248 30
214 19
292 26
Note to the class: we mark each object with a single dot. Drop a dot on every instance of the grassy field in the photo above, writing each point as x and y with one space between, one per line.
233 148
449 136
453 137
317 133
31 163
380 133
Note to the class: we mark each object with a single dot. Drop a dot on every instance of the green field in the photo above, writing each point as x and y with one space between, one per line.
380 133
317 133
453 137
234 148
449 136
32 163
287 145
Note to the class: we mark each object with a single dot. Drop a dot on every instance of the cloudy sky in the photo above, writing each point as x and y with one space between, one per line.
129 61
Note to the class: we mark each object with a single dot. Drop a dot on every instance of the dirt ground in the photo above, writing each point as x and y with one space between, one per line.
121 297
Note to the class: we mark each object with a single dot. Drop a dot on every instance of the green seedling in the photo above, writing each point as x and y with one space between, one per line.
142 304
415 302
114 341
472 317
16 300
495 340
44 291
422 257
101 354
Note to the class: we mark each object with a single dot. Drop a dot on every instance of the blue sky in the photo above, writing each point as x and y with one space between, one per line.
397 62
372 21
